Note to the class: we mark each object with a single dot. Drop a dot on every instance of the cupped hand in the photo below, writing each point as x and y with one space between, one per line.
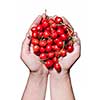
28 57
67 61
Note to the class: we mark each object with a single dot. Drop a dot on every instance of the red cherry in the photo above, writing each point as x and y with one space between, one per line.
54 35
48 29
37 53
50 54
63 37
43 56
42 50
65 27
49 64
40 34
33 29
57 67
35 41
57 54
50 41
56 48
55 59
58 20
42 43
48 48
35 34
46 34
56 40
45 23
39 27
60 31
51 21
60 44
36 48
70 48
53 25
63 52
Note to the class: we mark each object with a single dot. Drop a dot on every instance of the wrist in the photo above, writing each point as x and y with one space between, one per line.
41 72
64 74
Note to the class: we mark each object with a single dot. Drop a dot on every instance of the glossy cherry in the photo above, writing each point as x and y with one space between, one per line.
57 67
49 64
34 41
48 48
43 56
58 20
70 48
42 43
36 48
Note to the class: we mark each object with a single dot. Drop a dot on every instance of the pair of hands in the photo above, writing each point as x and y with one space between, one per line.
33 62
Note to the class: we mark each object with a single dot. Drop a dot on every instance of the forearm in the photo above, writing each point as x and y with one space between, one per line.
35 88
61 88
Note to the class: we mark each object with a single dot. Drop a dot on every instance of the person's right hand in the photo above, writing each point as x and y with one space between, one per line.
29 58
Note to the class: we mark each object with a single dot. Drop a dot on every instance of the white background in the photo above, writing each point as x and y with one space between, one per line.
15 19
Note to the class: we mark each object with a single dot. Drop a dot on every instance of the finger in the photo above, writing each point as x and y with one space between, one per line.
26 45
75 34
77 46
35 23
76 38
66 22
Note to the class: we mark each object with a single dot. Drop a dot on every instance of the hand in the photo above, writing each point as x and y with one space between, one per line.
30 59
67 62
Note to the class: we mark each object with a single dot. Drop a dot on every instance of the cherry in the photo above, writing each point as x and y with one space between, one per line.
63 37
35 34
54 35
49 64
46 34
56 48
63 52
57 54
42 49
65 27
56 40
55 59
57 67
34 41
50 54
60 31
43 56
42 43
70 48
50 41
45 23
60 44
53 25
33 29
48 48
36 48
58 20
40 34
48 29
39 27
51 21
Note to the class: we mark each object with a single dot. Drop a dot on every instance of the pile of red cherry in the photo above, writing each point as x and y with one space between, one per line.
52 39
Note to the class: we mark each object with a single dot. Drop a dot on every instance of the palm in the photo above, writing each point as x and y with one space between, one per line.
70 59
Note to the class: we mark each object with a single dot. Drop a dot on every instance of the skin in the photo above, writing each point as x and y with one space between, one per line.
37 81
60 83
